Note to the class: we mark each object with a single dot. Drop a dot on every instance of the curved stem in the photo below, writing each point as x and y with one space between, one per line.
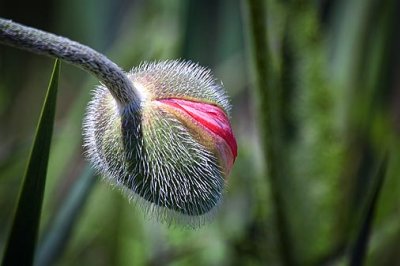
40 42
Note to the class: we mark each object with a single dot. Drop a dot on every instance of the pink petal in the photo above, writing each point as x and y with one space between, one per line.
210 116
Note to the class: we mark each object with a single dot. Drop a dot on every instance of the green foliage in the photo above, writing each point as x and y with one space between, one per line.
56 237
24 229
333 64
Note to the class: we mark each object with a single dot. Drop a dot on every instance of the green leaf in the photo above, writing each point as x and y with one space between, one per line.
59 231
24 230
360 246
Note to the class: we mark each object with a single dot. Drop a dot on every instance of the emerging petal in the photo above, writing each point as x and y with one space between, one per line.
214 121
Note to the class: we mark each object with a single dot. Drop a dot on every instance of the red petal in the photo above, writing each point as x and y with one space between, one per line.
210 116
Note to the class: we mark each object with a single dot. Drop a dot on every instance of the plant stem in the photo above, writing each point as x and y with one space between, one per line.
269 110
44 43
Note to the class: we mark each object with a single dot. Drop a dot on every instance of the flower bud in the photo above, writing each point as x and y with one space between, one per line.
175 151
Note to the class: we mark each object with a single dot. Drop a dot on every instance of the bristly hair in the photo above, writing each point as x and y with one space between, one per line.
184 79
150 154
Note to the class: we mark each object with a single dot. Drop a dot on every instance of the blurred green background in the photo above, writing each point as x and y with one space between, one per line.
335 67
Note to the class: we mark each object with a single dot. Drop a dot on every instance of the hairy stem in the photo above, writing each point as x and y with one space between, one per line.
44 43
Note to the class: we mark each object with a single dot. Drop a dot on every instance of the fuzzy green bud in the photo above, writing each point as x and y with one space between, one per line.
175 150
161 133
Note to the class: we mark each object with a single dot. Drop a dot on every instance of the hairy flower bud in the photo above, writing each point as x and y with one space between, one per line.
176 149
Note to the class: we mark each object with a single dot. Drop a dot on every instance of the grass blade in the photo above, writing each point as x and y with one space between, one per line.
57 236
359 250
24 230
268 91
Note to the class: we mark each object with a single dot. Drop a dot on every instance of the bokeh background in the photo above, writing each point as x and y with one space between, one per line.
336 70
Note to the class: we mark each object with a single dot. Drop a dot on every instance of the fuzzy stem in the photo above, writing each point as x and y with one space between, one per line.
44 43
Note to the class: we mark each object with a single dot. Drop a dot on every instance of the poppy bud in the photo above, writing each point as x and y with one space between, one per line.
175 149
